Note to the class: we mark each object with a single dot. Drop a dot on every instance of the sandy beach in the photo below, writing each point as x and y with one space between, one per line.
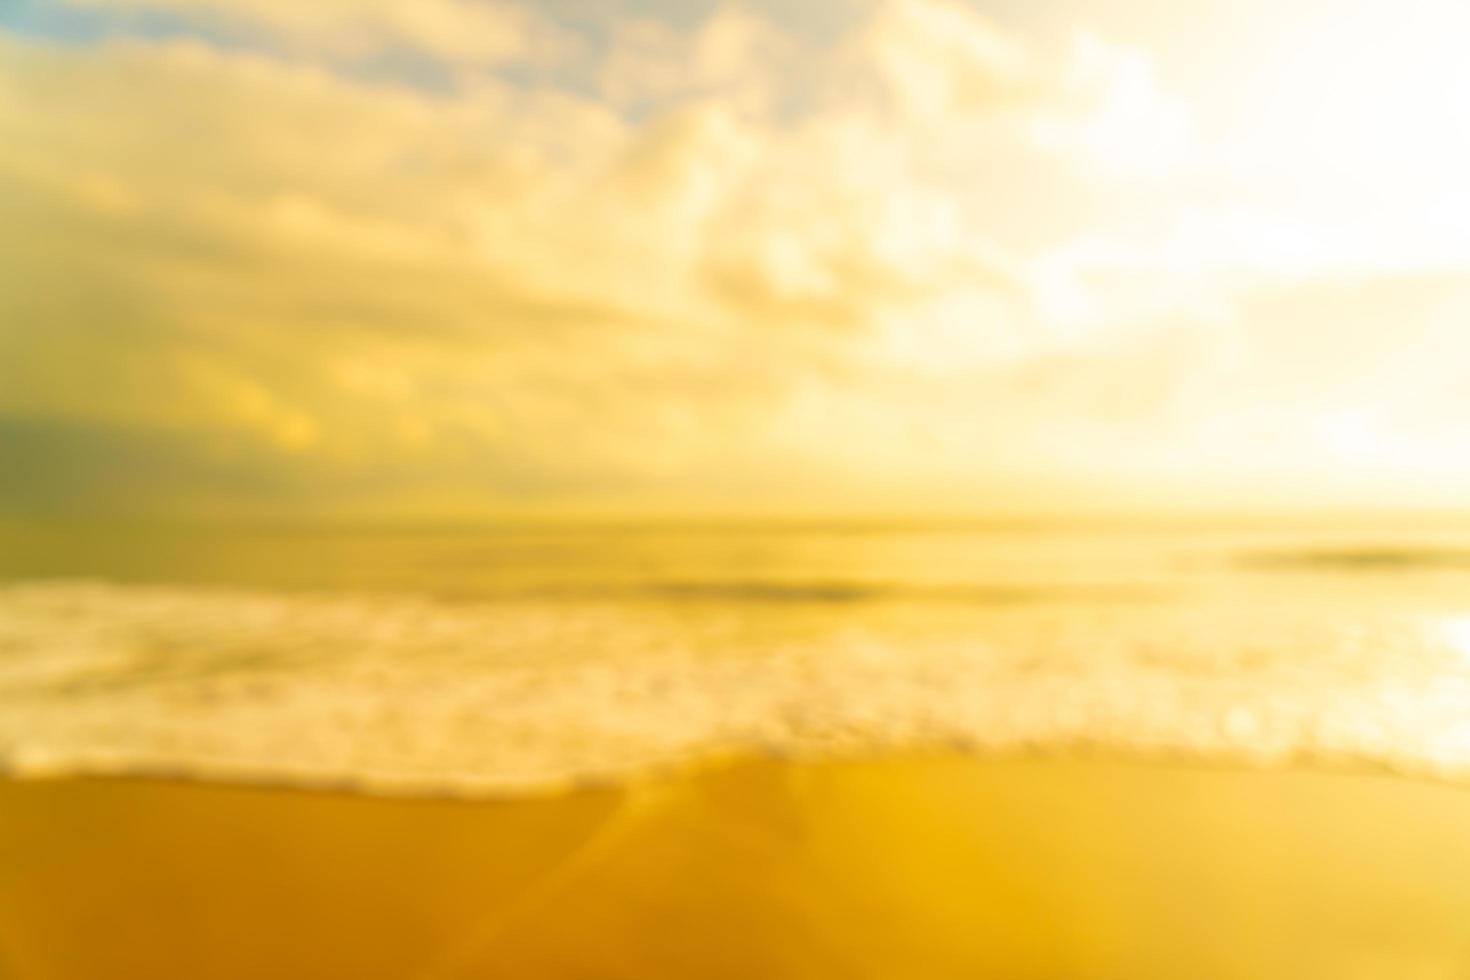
913 866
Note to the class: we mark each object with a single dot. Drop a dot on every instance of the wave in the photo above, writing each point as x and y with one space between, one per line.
418 695
833 592
1361 559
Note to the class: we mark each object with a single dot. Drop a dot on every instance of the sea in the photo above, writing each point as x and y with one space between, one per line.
495 660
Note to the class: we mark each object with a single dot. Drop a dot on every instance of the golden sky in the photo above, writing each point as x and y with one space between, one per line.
451 257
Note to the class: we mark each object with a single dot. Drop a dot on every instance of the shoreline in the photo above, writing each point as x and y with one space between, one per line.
469 788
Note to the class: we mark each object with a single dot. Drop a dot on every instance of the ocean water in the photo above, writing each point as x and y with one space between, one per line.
504 661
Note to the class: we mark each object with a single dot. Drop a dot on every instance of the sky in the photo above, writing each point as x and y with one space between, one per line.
454 258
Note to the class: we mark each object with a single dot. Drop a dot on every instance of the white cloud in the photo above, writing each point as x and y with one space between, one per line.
1118 117
704 269
938 58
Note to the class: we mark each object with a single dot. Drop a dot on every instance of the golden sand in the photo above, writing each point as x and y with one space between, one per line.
908 867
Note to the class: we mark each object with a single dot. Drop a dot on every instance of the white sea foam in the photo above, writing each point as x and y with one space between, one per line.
417 695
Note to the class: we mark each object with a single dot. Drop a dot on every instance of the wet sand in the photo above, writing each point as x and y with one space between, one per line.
913 867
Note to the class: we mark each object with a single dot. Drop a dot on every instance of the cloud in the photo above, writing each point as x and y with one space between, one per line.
733 55
938 58
722 266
